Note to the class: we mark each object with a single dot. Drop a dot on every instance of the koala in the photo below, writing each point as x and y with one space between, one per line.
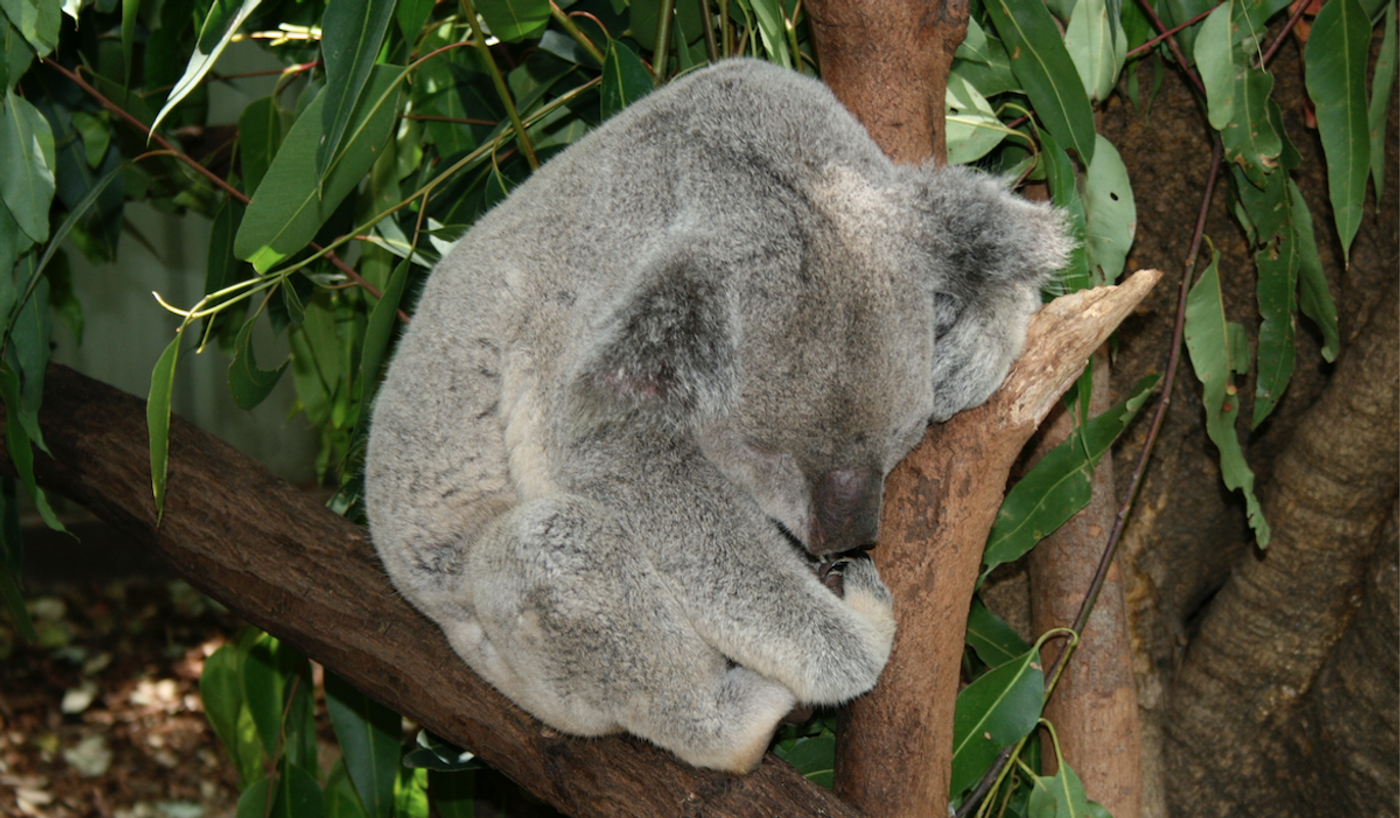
650 391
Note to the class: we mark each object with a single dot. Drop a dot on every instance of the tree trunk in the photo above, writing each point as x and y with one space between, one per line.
939 505
1094 706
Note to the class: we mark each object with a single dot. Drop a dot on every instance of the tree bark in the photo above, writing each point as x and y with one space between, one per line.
1094 706
939 505
287 564
1270 630
888 61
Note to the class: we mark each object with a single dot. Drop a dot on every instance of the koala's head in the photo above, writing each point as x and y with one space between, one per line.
990 254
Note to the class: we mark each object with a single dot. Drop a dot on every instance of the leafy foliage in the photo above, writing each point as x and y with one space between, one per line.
396 124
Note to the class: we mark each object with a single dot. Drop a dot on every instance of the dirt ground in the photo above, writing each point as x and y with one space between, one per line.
102 716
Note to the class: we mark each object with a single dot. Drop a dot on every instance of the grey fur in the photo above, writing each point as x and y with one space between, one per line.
708 329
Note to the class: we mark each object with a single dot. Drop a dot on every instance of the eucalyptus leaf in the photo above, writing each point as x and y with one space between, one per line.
1064 194
1096 45
1046 72
38 21
511 21
352 32
282 218
1219 350
995 641
369 735
1314 299
1110 212
1383 80
248 384
1336 81
158 418
26 165
1250 140
813 756
997 710
1215 62
972 126
1277 264
259 137
625 80
224 19
411 794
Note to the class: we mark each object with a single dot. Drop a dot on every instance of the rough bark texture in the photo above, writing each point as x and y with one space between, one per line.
289 565
887 61
1094 706
1269 632
939 505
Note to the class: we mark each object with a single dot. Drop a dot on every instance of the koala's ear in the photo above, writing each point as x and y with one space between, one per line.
988 233
669 348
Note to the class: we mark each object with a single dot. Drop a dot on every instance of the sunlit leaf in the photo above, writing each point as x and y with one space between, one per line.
1219 350
1096 45
973 127
411 794
1046 72
772 29
997 710
224 19
1336 80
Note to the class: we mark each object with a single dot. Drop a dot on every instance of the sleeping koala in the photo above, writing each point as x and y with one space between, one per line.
650 389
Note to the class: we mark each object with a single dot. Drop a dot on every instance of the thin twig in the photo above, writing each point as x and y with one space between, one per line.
1283 35
1169 32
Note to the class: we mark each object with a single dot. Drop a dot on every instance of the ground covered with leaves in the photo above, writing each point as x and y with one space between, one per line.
102 716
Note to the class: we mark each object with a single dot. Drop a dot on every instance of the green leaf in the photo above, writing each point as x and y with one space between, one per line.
1219 349
813 756
379 331
1214 54
282 218
14 603
1061 795
158 418
973 127
1250 140
369 735
259 137
341 799
411 794
224 19
256 799
26 165
1059 485
1336 81
1097 46
997 710
248 384
1383 81
772 29
994 640
1046 72
221 690
625 80
412 15
1110 212
1314 298
514 20
352 32
17 443
38 21
221 268
1277 264
298 795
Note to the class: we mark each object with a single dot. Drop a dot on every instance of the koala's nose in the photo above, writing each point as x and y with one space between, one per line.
846 511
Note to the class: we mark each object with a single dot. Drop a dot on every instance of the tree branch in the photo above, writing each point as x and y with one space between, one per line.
288 565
